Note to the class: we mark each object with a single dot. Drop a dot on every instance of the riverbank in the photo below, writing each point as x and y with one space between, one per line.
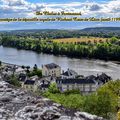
81 66
9 64
109 50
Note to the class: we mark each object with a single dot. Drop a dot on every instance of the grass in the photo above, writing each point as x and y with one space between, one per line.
81 39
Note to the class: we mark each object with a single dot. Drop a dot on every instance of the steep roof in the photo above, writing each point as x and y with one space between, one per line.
91 77
29 82
51 66
103 77
69 73
22 77
77 81
44 85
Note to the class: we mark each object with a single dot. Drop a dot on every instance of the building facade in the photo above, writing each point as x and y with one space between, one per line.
29 85
51 70
85 86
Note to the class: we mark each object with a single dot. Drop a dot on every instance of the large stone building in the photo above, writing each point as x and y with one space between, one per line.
85 86
51 69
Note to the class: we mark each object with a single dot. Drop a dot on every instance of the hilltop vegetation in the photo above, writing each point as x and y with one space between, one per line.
105 32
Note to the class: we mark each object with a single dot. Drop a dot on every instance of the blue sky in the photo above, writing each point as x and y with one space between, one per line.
62 1
89 8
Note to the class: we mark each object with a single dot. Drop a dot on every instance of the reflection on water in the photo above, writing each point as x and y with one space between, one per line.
82 66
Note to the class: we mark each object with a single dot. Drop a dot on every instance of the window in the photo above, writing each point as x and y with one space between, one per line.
67 87
72 86
86 88
59 81
46 73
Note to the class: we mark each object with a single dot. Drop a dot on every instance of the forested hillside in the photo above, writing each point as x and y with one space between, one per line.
56 33
85 44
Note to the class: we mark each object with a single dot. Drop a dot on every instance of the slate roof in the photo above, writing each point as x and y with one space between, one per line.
44 85
29 82
22 77
91 77
66 73
103 78
77 81
69 73
51 66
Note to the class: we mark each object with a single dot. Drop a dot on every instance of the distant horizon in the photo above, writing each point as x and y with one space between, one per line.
88 8
58 29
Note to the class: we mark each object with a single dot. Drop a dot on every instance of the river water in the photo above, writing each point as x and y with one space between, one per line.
82 66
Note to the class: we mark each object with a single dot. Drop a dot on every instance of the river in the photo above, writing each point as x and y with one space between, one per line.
82 66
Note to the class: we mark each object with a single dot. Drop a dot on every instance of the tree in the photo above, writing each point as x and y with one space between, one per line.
37 72
108 96
13 69
27 67
104 104
35 67
90 103
118 115
53 88
114 39
77 91
14 81
23 67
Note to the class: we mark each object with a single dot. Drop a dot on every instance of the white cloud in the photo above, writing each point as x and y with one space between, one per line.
14 2
23 8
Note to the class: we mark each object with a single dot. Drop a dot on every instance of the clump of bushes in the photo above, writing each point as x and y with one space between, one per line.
14 81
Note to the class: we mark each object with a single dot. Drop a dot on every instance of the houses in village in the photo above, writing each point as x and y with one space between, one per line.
68 80
7 70
34 83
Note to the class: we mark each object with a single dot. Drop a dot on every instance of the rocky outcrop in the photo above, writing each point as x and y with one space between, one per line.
17 104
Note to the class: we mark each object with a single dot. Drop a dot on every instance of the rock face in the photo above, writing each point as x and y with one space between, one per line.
17 104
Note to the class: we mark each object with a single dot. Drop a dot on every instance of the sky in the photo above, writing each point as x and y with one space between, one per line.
27 8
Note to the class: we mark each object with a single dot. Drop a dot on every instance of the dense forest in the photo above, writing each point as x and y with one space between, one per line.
41 41
106 32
